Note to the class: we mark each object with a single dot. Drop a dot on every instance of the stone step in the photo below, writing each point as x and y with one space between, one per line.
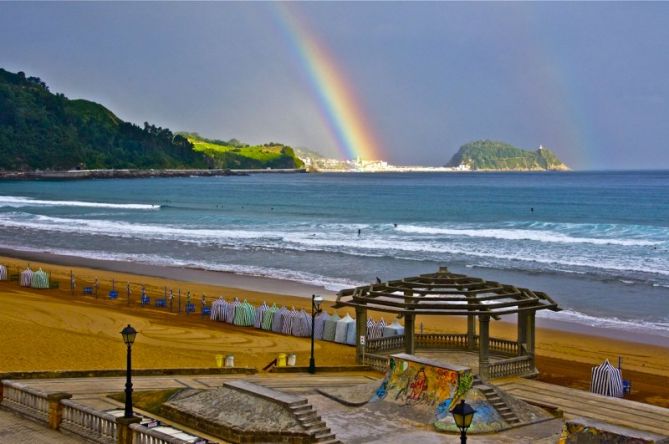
327 437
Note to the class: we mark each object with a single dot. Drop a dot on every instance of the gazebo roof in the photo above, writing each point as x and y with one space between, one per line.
445 293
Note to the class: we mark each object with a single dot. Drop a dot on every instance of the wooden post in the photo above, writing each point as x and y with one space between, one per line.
123 430
471 333
56 408
529 341
409 333
484 336
522 331
360 330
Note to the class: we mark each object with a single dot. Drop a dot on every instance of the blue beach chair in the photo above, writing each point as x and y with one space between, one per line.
161 303
145 300
190 308
113 294
88 290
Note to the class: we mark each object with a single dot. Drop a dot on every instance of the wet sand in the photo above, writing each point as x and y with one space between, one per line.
60 330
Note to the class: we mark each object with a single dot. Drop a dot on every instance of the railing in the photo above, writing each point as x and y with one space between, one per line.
26 400
144 435
503 346
377 362
518 366
391 343
443 341
88 423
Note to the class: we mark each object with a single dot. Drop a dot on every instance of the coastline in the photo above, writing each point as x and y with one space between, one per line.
135 174
563 357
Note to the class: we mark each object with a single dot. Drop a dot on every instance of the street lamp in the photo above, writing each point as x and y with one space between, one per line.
128 334
463 414
315 308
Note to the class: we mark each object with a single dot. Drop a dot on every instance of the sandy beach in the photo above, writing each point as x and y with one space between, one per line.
57 330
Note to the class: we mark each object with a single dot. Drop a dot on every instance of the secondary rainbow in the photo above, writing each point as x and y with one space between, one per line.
340 109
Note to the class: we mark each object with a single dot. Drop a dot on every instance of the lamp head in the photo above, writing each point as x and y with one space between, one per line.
317 300
463 414
129 334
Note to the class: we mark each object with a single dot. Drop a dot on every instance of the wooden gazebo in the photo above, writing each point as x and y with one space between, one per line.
449 294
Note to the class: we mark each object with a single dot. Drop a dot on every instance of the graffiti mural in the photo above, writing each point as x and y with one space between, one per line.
424 384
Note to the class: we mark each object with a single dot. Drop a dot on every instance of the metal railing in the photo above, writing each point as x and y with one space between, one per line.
23 399
83 421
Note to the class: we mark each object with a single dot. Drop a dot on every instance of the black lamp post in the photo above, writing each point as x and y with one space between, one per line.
315 308
128 334
463 414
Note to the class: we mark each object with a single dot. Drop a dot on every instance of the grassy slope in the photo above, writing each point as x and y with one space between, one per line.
259 156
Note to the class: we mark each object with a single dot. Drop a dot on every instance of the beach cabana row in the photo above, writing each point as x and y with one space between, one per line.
26 278
278 320
330 327
3 273
218 309
341 329
268 317
260 311
230 311
39 279
301 325
319 324
245 314
607 380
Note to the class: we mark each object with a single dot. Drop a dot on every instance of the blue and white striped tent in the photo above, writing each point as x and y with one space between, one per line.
278 320
268 317
394 329
301 325
230 311
375 329
39 279
607 380
330 328
218 309
26 278
288 320
3 273
342 328
245 314
319 324
260 311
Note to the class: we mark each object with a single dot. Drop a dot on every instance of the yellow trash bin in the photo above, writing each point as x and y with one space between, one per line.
281 362
219 361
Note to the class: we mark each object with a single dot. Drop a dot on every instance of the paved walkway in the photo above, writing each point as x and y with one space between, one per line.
578 403
16 429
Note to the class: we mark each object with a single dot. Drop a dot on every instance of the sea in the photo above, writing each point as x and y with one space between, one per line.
597 242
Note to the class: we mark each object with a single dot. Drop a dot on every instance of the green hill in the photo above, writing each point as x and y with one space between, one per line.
492 155
42 130
236 155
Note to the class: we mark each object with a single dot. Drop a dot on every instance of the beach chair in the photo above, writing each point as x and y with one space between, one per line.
627 386
190 307
145 300
161 302
206 311
113 294
88 290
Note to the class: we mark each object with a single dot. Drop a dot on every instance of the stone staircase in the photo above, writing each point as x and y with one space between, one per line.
498 403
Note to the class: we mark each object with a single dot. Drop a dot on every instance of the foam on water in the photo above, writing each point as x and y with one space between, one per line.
19 201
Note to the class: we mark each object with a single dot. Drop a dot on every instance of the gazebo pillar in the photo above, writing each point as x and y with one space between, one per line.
409 333
360 330
471 333
529 337
484 336
522 331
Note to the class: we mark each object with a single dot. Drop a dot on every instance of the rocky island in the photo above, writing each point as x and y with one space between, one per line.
489 155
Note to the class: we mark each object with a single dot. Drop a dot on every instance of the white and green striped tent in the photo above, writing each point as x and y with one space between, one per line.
230 311
3 273
260 311
218 309
39 279
26 278
342 328
245 314
268 317
319 324
278 320
330 327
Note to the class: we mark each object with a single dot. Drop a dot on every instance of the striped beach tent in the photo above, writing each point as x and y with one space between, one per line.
218 309
268 317
230 311
319 324
301 324
607 380
330 327
278 319
26 278
371 325
394 329
288 321
260 311
341 330
39 279
3 273
377 330
245 314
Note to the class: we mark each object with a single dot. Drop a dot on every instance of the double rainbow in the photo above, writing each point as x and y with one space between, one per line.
340 108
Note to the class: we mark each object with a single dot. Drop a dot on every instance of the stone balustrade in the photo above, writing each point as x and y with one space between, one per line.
377 362
504 346
83 421
144 435
518 366
442 341
25 400
387 344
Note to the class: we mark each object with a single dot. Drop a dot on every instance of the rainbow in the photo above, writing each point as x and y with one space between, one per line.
340 109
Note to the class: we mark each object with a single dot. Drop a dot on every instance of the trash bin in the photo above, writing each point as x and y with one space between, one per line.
292 359
230 361
219 361
281 361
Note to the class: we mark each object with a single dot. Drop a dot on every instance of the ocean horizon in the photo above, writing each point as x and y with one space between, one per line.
597 241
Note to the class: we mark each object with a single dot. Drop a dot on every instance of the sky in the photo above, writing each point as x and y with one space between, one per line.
588 80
